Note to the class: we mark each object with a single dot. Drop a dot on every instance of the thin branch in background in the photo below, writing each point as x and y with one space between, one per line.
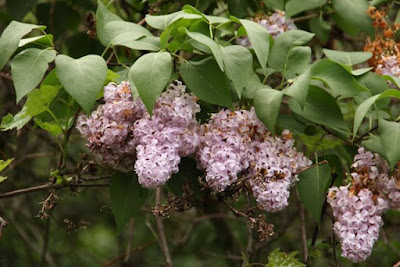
3 223
160 226
121 257
130 237
302 228
312 166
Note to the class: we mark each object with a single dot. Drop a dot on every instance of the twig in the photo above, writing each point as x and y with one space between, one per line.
45 187
238 213
160 226
5 76
365 134
312 166
130 236
140 248
302 227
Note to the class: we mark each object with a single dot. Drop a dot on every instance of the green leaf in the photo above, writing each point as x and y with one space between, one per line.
259 39
205 79
161 22
282 45
38 101
338 79
320 27
114 29
354 12
378 2
275 4
374 144
104 16
46 40
238 7
347 58
281 259
150 74
390 140
313 186
3 178
362 71
321 108
126 198
28 69
149 43
294 7
297 61
19 8
361 111
82 78
209 43
10 38
267 103
251 88
299 89
52 128
5 163
238 65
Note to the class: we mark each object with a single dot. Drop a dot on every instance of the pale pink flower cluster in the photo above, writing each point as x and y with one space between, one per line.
358 207
109 129
275 24
165 137
237 143
389 66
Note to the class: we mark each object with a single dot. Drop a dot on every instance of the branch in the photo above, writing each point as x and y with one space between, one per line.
160 226
312 166
45 187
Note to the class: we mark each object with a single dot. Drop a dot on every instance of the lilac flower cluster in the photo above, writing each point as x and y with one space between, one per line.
235 143
162 139
109 129
389 66
275 171
358 207
358 219
275 24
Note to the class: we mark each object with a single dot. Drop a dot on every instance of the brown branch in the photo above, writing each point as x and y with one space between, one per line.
238 213
302 227
312 166
5 76
160 226
121 257
45 187
365 134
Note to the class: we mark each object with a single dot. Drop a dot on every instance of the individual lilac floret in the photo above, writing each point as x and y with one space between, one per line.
389 66
109 129
226 142
358 219
165 137
275 24
274 172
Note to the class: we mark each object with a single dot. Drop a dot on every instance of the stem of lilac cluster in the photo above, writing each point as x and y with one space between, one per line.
160 226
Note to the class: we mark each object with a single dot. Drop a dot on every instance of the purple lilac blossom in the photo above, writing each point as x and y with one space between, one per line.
275 24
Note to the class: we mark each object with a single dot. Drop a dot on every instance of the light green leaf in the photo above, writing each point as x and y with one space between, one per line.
389 134
347 58
281 259
361 111
294 7
126 198
38 101
150 74
206 80
11 37
211 44
82 78
354 12
320 27
338 79
267 103
217 19
114 29
282 45
5 163
299 89
149 43
251 88
28 69
238 65
359 72
297 61
373 144
53 128
36 39
259 39
3 178
313 185
161 22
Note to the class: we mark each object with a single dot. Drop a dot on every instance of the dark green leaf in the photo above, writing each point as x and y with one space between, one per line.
19 8
337 78
82 78
238 7
374 144
294 7
206 80
347 58
389 134
297 61
238 65
126 198
267 103
283 43
28 69
313 186
299 89
104 16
